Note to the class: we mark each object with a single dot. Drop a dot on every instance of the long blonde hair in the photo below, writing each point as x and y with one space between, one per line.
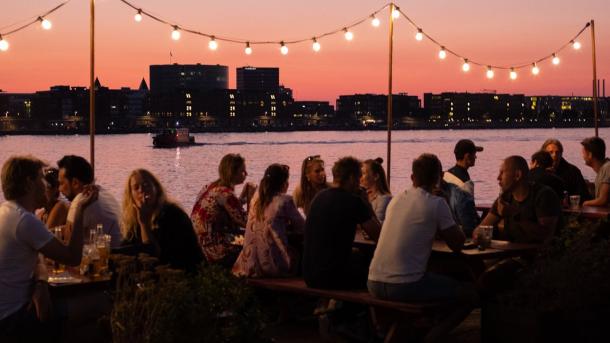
228 168
129 220
307 191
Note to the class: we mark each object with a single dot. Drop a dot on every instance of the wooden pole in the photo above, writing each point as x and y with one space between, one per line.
390 119
595 91
92 85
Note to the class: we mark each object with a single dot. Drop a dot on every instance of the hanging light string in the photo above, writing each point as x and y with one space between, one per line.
552 55
248 42
38 18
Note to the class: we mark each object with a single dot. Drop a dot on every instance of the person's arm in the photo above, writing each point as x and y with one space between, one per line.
234 208
72 253
144 215
297 222
492 218
454 237
602 199
372 227
58 215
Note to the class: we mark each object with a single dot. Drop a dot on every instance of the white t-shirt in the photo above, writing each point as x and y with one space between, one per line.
412 220
105 210
21 236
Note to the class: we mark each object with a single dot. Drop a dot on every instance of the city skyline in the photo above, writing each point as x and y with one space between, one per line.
38 59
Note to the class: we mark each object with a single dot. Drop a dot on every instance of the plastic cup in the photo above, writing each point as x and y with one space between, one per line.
574 201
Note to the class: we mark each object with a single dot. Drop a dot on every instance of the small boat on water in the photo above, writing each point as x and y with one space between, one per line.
171 138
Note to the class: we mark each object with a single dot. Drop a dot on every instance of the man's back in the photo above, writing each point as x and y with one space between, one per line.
105 210
412 220
329 234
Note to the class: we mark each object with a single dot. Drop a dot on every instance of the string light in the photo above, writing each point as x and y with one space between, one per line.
283 48
375 21
442 54
555 59
348 34
490 73
248 49
466 65
576 45
176 33
315 46
213 45
45 23
535 69
513 74
3 44
396 13
138 16
419 35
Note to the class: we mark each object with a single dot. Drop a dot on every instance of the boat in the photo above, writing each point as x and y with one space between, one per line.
171 138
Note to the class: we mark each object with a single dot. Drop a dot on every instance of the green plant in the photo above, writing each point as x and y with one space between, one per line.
167 305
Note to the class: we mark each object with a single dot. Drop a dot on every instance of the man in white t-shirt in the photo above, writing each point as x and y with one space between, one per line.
75 173
413 220
24 301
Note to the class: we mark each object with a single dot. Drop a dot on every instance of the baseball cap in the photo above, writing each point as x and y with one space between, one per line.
464 146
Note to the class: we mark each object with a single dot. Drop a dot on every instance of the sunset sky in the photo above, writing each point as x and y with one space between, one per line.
493 32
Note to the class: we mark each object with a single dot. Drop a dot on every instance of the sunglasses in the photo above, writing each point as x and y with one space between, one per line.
312 157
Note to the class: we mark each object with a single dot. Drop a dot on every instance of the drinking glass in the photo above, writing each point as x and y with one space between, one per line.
574 201
58 232
484 236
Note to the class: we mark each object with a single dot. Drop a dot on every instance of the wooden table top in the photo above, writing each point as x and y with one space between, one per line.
590 212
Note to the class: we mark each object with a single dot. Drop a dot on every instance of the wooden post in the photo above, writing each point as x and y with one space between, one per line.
595 91
390 119
92 86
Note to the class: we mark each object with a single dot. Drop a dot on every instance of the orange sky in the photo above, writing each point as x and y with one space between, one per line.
495 32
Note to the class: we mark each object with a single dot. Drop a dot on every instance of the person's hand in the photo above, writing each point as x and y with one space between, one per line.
247 192
41 300
89 195
145 211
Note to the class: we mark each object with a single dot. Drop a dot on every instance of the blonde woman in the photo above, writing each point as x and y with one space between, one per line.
313 180
218 214
374 181
153 224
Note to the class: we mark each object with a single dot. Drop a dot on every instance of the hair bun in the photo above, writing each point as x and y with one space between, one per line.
379 160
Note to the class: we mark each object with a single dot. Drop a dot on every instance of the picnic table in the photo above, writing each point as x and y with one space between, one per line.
588 212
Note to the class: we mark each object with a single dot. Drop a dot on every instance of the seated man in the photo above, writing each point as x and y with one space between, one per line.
330 229
540 166
571 176
24 297
531 214
413 219
594 154
465 157
75 173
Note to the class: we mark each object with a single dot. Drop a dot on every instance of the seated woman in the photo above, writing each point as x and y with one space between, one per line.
218 214
374 181
55 210
313 180
266 252
155 225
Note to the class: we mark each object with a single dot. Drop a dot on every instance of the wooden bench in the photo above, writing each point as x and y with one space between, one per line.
402 312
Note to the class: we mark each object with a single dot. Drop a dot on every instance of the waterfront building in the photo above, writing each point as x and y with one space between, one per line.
370 110
258 79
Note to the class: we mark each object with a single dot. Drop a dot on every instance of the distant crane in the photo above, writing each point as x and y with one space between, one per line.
493 91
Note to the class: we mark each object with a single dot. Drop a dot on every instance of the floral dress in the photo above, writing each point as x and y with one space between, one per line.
266 252
217 216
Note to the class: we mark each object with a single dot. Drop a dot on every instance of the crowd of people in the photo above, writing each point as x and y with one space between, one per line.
309 233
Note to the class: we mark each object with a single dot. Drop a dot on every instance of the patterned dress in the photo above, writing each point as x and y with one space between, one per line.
217 216
266 252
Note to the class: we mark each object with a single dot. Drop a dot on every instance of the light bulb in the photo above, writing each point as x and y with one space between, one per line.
45 23
284 49
248 49
315 46
535 69
176 33
213 45
375 22
555 59
348 34
466 66
395 13
138 16
442 54
576 45
3 44
513 74
490 73
419 35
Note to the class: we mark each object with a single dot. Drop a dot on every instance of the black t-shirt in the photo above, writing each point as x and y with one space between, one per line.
540 202
573 180
460 172
176 238
329 234
540 175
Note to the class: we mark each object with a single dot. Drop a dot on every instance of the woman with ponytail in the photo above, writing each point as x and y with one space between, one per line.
272 216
